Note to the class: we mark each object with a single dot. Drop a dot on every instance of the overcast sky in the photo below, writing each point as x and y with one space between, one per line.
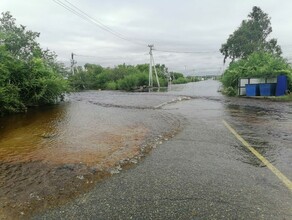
174 25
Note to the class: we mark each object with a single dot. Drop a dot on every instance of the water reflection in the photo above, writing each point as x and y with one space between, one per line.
20 135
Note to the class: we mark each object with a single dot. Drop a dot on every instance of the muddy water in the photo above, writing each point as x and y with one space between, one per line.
51 154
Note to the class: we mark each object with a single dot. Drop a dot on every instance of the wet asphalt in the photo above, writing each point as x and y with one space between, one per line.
198 174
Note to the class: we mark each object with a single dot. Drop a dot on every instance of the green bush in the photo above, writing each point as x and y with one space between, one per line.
128 83
101 81
10 100
180 80
143 79
111 85
230 91
257 65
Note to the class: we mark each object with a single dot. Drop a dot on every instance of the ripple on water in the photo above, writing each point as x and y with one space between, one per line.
49 155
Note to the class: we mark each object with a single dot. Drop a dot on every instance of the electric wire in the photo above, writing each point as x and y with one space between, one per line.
80 13
175 51
67 8
97 23
100 23
85 16
80 55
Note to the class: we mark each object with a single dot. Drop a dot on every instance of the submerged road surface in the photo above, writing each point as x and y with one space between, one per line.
203 172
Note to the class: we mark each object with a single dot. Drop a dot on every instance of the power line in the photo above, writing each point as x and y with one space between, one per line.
80 55
87 15
75 10
195 52
103 25
84 16
67 8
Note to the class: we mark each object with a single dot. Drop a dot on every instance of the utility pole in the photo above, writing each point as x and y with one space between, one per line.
73 62
150 67
152 63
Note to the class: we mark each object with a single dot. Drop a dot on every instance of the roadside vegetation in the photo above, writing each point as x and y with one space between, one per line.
178 78
29 75
252 53
122 77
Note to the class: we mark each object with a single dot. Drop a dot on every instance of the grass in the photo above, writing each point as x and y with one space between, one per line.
286 98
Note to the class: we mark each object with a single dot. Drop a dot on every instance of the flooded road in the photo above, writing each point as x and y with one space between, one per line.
265 124
50 155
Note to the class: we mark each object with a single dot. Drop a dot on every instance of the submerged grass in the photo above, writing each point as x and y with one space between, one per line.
286 98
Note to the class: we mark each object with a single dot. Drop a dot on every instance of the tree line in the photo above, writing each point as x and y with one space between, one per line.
122 77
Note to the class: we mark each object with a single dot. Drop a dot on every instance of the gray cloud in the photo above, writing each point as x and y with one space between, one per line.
189 25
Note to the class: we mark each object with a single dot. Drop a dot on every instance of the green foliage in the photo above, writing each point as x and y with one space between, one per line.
101 80
193 79
111 85
257 65
143 68
78 81
230 91
28 74
10 100
286 98
143 79
175 75
162 82
251 36
180 80
122 77
128 83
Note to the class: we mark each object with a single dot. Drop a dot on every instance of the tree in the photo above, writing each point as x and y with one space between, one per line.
18 41
28 74
251 36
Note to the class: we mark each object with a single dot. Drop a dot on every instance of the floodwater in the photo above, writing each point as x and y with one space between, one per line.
52 154
265 124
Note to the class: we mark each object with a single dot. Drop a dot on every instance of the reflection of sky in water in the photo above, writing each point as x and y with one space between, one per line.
207 88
